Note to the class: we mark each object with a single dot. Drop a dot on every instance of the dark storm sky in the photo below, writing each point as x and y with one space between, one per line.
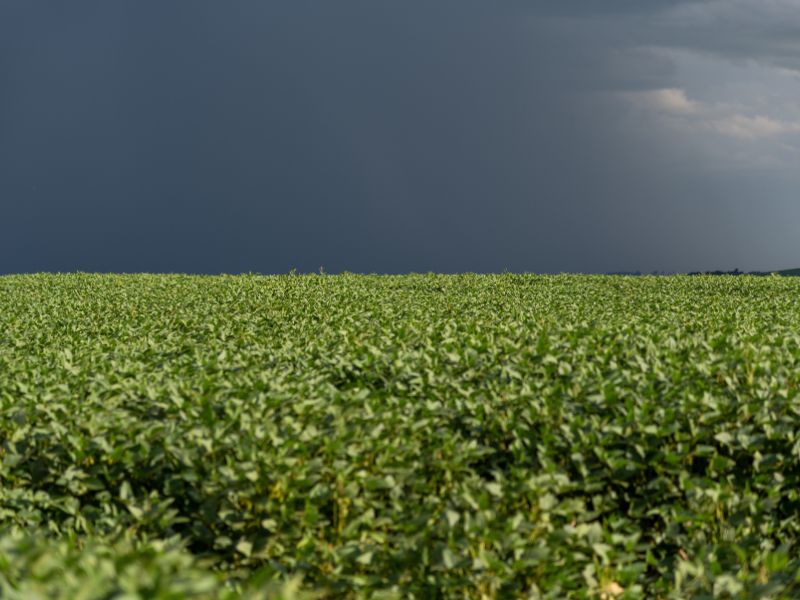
389 136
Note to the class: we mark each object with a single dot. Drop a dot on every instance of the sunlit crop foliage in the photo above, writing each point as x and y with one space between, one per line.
418 436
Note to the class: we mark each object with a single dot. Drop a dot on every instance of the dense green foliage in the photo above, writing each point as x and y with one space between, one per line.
405 436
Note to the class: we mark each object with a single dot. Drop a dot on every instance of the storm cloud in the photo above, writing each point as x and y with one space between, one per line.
369 136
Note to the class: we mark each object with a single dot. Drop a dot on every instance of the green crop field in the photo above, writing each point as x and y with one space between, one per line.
422 436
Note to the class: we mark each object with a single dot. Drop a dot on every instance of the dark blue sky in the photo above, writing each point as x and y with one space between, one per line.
379 136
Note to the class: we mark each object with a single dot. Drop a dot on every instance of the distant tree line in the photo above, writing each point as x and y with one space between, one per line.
785 273
734 272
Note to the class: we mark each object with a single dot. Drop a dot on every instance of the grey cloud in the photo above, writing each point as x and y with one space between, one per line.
765 30
617 8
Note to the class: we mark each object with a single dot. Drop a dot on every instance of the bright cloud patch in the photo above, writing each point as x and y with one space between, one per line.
745 127
671 100
721 118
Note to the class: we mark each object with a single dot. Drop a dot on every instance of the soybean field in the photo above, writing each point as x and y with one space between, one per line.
414 436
